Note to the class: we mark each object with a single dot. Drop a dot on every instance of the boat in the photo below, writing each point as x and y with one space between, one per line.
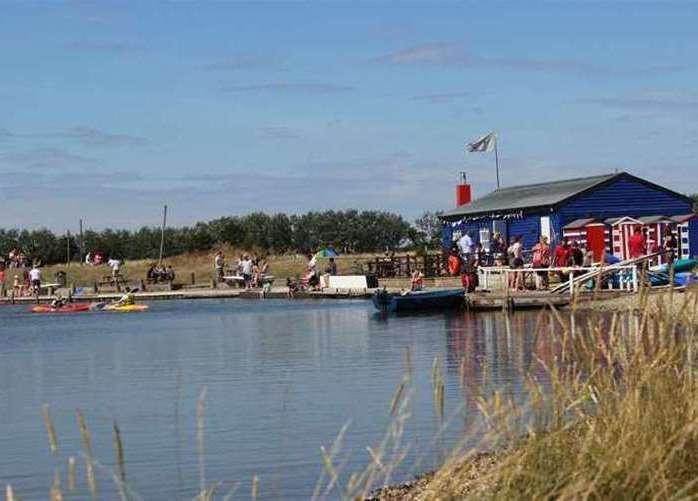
440 299
126 308
66 308
680 266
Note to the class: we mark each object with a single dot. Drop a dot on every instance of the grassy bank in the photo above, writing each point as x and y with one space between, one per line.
621 421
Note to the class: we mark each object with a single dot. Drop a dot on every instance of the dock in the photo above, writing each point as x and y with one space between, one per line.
198 293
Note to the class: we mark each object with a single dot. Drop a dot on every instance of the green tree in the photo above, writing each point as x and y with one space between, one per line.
427 230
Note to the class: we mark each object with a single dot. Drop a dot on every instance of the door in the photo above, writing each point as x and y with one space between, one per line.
596 241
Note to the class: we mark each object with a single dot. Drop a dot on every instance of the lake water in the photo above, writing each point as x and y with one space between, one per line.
281 378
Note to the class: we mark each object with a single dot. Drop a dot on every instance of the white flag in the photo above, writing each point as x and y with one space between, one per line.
484 143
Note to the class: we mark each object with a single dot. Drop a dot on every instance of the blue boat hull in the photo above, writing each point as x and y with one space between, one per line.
448 299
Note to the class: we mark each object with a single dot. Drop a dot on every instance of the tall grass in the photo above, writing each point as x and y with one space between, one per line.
619 420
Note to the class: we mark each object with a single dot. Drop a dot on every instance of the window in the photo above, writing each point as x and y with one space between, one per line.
485 238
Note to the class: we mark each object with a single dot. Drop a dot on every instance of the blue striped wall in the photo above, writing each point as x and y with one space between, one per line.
623 197
528 228
693 238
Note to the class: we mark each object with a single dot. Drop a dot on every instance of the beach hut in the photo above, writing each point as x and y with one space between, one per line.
655 228
687 235
590 233
622 228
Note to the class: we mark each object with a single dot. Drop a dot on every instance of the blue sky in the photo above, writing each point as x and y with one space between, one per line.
110 110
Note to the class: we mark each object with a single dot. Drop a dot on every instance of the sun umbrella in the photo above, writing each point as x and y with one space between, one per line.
326 252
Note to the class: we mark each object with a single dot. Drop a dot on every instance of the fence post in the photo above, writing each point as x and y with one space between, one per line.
193 278
571 284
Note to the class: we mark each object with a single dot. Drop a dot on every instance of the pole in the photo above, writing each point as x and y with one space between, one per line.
82 245
67 248
496 160
162 234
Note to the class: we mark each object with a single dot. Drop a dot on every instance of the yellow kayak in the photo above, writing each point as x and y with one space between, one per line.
126 308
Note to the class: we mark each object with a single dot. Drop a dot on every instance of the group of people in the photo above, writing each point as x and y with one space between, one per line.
15 259
160 273
466 256
23 284
252 269
311 278
95 259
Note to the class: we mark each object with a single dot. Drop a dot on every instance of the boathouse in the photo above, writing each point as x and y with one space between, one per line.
572 205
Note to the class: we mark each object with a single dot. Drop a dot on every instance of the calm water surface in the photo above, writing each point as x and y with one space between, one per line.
282 378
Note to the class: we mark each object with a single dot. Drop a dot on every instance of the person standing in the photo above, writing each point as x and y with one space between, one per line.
218 264
313 274
637 245
35 279
115 266
541 259
465 245
670 245
246 266
518 262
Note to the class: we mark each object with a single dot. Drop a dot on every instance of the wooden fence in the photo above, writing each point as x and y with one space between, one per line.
434 265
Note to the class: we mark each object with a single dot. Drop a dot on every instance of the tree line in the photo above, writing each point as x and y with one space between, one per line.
349 231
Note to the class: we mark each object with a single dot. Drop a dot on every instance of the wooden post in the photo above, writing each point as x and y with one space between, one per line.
95 287
143 285
193 278
571 279
505 304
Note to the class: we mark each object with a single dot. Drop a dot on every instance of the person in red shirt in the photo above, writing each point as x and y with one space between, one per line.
637 244
561 256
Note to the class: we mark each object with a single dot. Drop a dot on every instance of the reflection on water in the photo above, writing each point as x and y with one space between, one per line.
281 377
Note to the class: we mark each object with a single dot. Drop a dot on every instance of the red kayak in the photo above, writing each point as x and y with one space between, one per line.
68 308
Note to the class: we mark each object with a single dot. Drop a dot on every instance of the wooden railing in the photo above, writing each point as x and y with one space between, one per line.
432 265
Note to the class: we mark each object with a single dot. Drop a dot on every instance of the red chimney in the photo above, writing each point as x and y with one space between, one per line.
463 195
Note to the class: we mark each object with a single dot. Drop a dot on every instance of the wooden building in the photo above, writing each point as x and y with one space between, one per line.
546 208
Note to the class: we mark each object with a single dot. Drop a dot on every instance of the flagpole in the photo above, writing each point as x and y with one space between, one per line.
496 160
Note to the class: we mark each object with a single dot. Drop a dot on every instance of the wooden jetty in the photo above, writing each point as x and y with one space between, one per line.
189 294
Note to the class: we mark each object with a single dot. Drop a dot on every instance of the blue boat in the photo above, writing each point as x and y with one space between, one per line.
443 299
